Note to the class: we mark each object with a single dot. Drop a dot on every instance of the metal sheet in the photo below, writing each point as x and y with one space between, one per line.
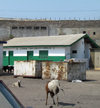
27 68
54 70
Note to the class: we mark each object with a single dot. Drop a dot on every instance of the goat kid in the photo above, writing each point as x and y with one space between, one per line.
17 84
53 88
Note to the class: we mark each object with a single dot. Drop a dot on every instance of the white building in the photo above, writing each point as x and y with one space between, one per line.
51 48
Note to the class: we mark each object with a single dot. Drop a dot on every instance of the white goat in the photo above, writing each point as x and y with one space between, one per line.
53 88
17 84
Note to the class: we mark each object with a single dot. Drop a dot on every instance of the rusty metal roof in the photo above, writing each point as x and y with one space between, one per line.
60 40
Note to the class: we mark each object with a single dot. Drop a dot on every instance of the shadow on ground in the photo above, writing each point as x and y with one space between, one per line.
66 104
89 80
63 104
29 107
6 74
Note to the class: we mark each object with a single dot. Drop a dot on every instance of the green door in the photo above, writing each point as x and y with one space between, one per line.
29 55
43 54
10 58
5 59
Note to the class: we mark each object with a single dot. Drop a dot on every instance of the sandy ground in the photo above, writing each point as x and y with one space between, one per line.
77 95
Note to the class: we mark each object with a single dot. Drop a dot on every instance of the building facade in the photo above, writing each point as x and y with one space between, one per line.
52 48
10 28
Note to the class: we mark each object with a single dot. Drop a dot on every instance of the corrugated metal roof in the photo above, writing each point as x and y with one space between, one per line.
60 40
44 40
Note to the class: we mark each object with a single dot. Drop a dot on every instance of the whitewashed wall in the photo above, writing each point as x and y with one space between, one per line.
80 47
59 51
54 51
68 52
87 50
87 53
20 52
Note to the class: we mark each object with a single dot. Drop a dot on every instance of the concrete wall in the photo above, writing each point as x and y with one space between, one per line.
79 48
76 71
68 52
53 27
89 31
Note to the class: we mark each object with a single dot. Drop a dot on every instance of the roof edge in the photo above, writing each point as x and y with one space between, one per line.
91 40
37 46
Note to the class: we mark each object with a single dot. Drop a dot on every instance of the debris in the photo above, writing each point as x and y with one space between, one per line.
74 81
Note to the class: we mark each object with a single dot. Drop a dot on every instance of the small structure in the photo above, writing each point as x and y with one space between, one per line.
71 70
68 70
95 59
28 69
1 55
50 48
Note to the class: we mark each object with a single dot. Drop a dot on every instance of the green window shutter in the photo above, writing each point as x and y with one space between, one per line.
11 58
10 53
4 53
29 55
5 59
43 54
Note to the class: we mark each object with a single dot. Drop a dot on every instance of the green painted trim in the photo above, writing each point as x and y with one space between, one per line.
37 46
24 58
92 41
87 37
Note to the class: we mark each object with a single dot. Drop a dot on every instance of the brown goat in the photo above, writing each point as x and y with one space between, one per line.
52 87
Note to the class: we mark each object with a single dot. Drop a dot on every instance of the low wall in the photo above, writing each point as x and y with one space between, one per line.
64 70
51 70
27 68
76 71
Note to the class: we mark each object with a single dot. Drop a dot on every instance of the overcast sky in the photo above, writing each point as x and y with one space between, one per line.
54 9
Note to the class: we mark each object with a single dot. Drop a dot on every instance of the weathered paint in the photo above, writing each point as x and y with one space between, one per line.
64 70
56 70
27 68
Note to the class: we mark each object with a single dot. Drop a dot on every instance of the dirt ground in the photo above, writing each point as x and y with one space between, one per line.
77 95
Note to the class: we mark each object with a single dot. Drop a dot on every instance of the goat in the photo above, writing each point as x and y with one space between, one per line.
53 88
8 68
17 84
5 68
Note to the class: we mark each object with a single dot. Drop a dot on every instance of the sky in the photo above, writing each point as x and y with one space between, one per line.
50 9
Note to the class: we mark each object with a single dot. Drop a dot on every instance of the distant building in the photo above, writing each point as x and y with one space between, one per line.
10 28
50 48
1 55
